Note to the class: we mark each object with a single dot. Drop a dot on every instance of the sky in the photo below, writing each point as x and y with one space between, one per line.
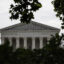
44 15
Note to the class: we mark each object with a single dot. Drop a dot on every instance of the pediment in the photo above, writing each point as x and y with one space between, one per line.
30 26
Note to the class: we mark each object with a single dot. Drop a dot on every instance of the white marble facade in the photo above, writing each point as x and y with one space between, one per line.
29 36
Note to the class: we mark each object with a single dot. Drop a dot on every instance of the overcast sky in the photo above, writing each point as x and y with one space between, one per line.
45 15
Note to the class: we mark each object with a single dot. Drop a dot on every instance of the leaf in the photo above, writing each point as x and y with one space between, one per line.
17 1
39 5
30 15
60 18
62 27
11 6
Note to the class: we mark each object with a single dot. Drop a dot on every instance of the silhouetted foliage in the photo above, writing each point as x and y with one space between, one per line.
23 9
59 8
5 54
53 53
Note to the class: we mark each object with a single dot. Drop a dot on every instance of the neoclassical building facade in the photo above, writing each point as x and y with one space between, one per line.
29 36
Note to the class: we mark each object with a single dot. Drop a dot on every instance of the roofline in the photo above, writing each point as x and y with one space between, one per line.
8 27
25 23
46 25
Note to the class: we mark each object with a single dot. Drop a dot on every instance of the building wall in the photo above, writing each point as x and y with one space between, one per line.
16 33
25 34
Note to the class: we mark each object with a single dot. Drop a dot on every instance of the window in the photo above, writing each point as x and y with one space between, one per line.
14 43
21 40
29 43
6 41
44 41
37 43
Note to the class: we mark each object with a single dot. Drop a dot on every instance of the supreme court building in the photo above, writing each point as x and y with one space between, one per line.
29 36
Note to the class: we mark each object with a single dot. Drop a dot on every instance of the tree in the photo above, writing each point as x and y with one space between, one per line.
23 9
53 53
59 8
6 53
19 56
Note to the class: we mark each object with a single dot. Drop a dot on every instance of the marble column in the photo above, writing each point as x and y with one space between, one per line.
2 40
10 40
41 42
25 43
48 38
17 42
33 43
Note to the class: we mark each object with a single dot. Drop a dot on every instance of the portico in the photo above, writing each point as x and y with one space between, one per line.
29 36
26 42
